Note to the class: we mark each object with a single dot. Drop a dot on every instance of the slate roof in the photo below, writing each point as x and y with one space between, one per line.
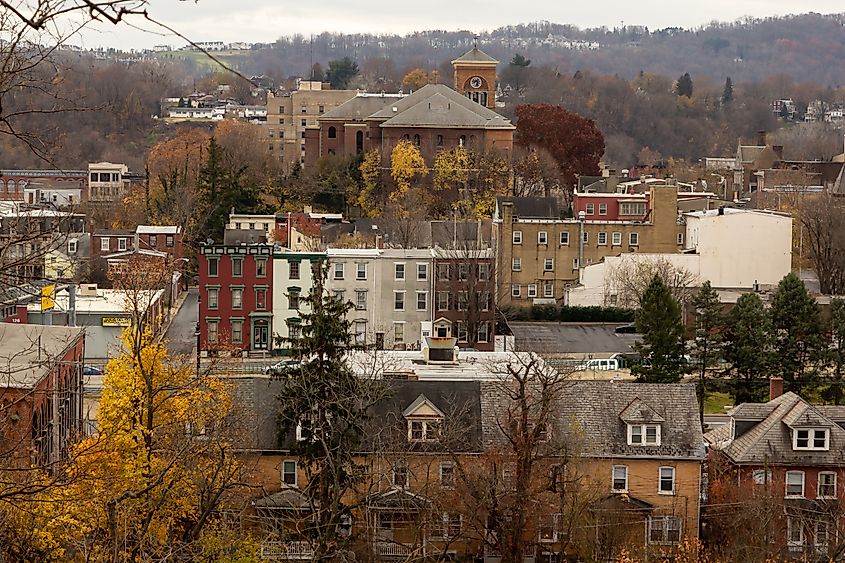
592 409
572 338
359 108
532 207
475 55
28 353
255 416
762 433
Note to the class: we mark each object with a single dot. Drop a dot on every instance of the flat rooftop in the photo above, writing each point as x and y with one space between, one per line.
572 339
29 352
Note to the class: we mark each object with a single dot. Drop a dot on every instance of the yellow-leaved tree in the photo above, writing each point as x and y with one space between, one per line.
406 165
367 197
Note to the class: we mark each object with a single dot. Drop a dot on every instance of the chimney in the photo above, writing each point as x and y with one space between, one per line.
761 138
778 151
775 387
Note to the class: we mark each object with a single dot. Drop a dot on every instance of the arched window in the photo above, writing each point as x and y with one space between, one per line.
440 140
462 141
359 142
332 133
417 140
406 137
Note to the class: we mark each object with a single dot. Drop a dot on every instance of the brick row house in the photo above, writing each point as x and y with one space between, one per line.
638 477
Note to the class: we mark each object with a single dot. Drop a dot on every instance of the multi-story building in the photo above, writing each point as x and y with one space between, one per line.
107 181
464 288
288 115
539 254
293 279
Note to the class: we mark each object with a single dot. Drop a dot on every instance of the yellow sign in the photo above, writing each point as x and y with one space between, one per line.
117 321
48 297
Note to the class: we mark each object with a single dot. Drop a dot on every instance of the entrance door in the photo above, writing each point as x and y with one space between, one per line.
260 335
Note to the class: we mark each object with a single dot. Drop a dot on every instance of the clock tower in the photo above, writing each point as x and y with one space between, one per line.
475 76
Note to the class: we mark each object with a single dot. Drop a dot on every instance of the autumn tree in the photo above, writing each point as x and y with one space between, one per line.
662 347
835 391
799 343
368 198
416 79
574 142
535 173
407 166
748 348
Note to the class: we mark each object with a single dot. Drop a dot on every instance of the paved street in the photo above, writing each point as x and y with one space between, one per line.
180 336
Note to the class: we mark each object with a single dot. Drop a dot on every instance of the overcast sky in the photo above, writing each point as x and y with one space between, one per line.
266 20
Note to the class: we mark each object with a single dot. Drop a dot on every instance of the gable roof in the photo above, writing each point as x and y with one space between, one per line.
421 401
769 437
475 55
638 411
359 108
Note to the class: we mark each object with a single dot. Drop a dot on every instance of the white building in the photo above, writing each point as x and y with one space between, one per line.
292 280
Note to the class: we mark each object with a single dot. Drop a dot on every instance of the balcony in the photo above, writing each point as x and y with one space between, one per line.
391 549
492 555
287 551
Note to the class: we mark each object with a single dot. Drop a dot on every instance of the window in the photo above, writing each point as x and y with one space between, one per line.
532 290
321 109
616 239
399 271
398 333
462 331
422 300
517 237
105 245
72 245
121 244
446 525
212 298
795 484
442 300
237 298
463 271
293 299
360 299
664 529
422 272
168 241
620 478
212 267
398 300
463 299
516 264
237 267
444 272
643 434
361 271
260 267
423 430
633 239
564 238
483 272
360 332
632 208
484 331
591 209
810 439
761 476
289 472
338 271
680 239
153 240
261 298
447 474
294 331
549 528
339 294
549 265
542 237
820 537
293 270
332 133
602 239
212 332
515 290
400 475
586 237
602 209
304 123
237 332
548 289
827 485
440 140
794 532
667 481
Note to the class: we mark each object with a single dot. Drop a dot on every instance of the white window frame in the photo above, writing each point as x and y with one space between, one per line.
548 289
819 484
361 271
239 303
542 237
516 238
616 238
554 525
532 290
72 246
486 332
240 324
121 244
633 239
424 296
442 300
643 433
516 290
213 304
664 526
105 244
549 265
821 547
338 271
602 209
811 439
564 238
398 332
791 523
516 264
680 239
602 239
761 476
399 271
422 271
671 472
451 466
360 300
216 331
295 468
613 478
396 294
590 209
787 484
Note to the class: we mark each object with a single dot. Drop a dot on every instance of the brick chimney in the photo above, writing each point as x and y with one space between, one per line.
775 387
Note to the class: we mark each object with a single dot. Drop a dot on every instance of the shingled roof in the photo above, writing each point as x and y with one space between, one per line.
762 433
358 108
475 55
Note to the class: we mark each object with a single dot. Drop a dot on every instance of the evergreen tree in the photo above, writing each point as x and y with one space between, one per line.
835 391
708 336
662 348
341 72
323 411
747 348
684 86
800 347
728 92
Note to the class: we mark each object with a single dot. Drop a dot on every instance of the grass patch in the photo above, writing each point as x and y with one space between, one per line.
715 401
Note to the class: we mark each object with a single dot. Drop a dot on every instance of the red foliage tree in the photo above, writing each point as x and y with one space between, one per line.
575 143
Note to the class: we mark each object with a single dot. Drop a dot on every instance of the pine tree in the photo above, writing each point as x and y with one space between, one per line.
323 413
747 347
835 391
684 86
728 92
662 348
800 347
708 336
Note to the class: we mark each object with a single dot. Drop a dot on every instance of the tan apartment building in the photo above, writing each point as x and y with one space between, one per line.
540 254
288 115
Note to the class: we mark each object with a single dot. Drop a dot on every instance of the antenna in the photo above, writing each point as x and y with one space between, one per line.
475 42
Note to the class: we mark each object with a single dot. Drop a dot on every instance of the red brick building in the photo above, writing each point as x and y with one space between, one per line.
41 390
236 298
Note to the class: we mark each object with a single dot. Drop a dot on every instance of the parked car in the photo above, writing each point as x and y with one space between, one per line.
91 370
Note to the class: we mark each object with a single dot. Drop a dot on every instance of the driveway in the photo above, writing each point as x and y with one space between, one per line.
180 336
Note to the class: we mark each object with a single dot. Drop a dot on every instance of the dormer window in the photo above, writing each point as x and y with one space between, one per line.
811 439
424 420
643 434
423 430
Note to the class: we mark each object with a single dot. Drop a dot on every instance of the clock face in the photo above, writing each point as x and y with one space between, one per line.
475 82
